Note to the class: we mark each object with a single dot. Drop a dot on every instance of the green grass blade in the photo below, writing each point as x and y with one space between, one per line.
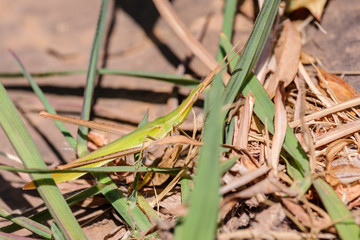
45 102
171 171
201 220
41 74
200 223
149 211
6 236
227 30
71 201
165 77
27 223
225 166
132 214
229 19
344 222
56 232
91 77
31 158
252 49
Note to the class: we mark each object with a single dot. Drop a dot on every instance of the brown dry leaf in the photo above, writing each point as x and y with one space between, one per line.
266 186
337 133
287 54
341 89
316 7
244 179
168 159
242 140
241 133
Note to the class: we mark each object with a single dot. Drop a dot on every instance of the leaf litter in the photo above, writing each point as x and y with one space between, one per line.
258 201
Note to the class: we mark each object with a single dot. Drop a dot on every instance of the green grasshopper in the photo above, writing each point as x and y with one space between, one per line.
134 141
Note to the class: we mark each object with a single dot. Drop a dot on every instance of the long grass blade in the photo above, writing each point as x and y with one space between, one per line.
252 49
182 230
31 158
27 223
71 201
201 221
344 221
44 101
6 236
131 214
56 232
91 77
165 77
171 171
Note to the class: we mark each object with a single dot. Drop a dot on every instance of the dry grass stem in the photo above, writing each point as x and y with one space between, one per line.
170 16
280 128
327 111
90 124
338 132
244 179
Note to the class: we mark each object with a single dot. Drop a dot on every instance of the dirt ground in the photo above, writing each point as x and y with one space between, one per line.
57 35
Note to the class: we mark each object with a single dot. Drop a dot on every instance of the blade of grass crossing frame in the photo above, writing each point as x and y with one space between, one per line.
27 223
131 214
6 236
227 30
91 77
252 49
31 158
201 220
171 171
45 102
339 213
165 77
56 232
188 230
71 201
